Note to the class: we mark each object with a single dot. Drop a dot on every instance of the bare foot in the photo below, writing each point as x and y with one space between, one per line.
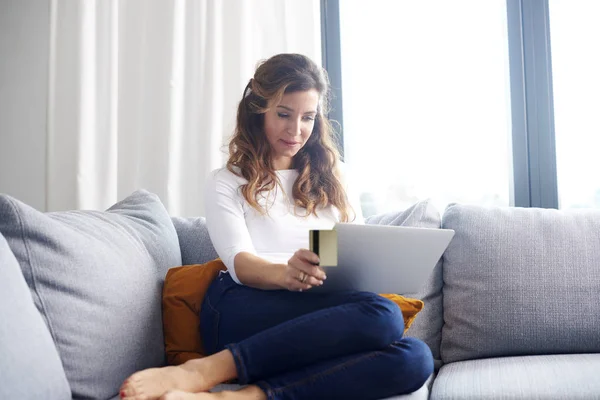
194 376
179 395
152 383
247 393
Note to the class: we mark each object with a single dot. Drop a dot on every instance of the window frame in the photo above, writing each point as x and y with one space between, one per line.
533 159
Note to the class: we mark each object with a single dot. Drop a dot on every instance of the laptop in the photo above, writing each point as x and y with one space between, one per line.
382 258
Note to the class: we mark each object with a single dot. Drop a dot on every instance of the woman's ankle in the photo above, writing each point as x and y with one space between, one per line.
213 370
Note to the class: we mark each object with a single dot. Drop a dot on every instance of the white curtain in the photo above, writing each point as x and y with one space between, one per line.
143 93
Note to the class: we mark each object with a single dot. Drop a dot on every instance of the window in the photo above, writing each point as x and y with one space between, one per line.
426 101
575 35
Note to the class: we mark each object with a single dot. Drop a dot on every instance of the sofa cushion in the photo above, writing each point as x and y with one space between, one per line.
30 368
195 243
97 277
520 281
428 324
568 377
421 394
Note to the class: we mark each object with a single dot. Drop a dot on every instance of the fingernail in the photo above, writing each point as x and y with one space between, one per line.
324 277
320 283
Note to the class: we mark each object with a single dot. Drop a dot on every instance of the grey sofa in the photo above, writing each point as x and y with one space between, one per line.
512 308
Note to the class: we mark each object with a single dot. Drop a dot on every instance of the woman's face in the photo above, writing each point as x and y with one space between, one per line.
289 124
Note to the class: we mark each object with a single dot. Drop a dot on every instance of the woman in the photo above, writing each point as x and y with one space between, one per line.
259 320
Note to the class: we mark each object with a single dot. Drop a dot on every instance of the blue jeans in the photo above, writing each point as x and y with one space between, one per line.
302 345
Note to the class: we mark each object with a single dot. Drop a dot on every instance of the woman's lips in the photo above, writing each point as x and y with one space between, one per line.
289 144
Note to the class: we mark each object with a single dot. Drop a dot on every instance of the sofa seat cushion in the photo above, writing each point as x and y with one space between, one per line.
421 394
96 277
30 367
563 376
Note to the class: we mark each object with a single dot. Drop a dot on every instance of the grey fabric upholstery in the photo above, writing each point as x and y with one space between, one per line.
97 277
195 243
556 377
428 324
30 368
520 281
421 394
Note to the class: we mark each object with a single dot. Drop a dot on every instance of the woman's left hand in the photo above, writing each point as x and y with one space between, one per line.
302 271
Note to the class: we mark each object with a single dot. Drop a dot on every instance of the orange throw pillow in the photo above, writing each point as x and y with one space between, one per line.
183 292
410 307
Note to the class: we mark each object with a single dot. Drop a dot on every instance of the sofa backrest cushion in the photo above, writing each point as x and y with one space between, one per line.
195 243
520 281
428 324
30 368
96 277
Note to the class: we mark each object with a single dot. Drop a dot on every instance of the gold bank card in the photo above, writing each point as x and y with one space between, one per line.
324 243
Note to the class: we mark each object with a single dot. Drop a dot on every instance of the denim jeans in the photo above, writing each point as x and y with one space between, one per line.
302 345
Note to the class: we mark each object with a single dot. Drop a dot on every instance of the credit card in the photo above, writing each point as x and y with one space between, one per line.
324 243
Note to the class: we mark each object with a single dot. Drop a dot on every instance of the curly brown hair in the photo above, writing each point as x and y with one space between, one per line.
317 162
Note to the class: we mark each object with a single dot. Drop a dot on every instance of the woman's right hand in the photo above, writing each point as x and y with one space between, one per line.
302 271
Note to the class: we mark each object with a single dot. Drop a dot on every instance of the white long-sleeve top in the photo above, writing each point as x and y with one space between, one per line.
234 226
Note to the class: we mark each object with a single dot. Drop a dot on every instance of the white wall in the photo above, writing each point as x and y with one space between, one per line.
24 44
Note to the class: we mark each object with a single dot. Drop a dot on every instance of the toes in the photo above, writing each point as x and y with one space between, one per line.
129 392
126 388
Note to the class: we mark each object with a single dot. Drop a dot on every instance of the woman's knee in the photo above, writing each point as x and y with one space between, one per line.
403 367
385 318
417 358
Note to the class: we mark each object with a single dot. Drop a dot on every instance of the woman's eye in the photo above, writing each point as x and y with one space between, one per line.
309 118
282 115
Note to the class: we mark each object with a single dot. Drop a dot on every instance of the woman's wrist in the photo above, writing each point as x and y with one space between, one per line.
279 276
272 277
